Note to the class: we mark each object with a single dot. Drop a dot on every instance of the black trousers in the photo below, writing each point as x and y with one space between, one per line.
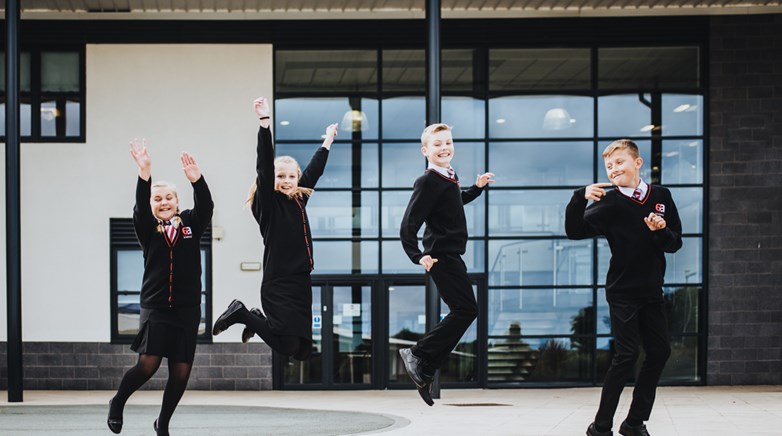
634 324
455 288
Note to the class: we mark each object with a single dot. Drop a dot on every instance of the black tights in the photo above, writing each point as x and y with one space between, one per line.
291 346
145 368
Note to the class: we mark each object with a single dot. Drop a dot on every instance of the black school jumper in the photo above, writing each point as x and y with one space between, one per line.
633 288
171 290
438 202
286 288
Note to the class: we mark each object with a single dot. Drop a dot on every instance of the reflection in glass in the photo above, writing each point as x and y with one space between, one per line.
128 314
24 73
457 70
462 364
682 366
549 68
682 161
540 116
394 205
682 114
466 115
644 147
540 262
60 72
528 212
648 67
475 213
344 159
620 116
404 118
25 112
72 118
345 257
130 270
352 332
325 71
404 70
308 371
402 164
541 164
681 304
395 260
603 318
307 118
406 325
689 204
684 266
541 311
338 215
516 359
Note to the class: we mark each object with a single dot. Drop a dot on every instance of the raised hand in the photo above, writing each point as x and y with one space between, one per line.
427 262
654 222
484 179
331 133
138 149
596 191
261 107
190 167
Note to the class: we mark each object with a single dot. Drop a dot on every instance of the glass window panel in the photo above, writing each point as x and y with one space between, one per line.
49 115
394 205
682 114
462 363
475 213
341 165
603 260
309 371
644 147
681 305
689 204
352 334
307 118
541 164
620 116
466 115
541 311
334 214
603 355
469 160
648 67
403 163
128 314
684 266
541 116
130 270
406 325
395 260
550 68
682 366
72 118
404 70
326 70
525 213
538 360
603 319
474 256
25 113
540 262
682 161
60 72
345 257
24 73
404 118
457 70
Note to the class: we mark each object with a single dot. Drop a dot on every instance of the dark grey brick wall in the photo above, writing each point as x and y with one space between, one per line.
100 366
745 221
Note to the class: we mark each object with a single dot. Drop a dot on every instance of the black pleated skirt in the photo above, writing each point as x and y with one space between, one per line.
287 303
168 332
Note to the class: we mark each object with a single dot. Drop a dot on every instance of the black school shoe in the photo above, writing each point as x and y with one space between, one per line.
115 424
415 369
157 432
247 334
633 430
593 431
222 322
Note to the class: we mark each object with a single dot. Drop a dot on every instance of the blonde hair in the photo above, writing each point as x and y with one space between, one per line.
622 144
295 193
176 220
432 129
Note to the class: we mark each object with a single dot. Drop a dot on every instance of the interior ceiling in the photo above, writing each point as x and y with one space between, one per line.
252 9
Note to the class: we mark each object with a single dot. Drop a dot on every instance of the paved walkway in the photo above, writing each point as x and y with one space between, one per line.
685 411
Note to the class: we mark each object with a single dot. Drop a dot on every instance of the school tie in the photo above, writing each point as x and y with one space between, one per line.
170 230
637 194
451 173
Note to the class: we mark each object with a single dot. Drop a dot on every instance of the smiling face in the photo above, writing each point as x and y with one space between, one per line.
164 202
623 168
438 148
286 175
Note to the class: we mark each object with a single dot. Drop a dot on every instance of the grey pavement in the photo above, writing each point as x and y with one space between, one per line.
685 411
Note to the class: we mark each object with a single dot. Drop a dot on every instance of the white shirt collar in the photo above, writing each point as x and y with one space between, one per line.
642 186
439 169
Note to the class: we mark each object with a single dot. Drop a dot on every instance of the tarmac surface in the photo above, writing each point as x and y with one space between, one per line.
684 411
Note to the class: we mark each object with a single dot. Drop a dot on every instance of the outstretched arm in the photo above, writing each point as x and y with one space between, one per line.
264 163
138 149
311 174
143 220
475 190
202 198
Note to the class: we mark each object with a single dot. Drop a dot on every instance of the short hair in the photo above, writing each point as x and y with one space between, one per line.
622 144
432 129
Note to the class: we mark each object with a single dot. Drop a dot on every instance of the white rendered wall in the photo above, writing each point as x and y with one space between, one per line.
196 98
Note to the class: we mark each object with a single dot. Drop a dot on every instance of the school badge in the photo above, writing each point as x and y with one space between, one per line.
187 232
660 208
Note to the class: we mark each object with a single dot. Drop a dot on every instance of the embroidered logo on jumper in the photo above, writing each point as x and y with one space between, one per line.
187 232
659 207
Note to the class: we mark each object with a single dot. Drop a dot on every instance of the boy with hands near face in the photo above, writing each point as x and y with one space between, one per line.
641 224
438 201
